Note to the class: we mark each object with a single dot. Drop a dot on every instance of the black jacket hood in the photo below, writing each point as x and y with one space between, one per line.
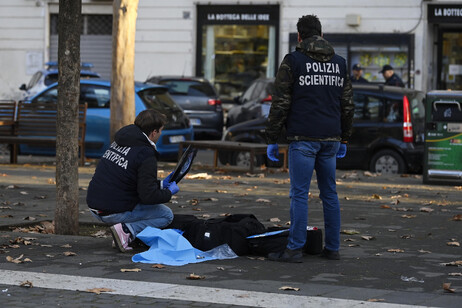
130 136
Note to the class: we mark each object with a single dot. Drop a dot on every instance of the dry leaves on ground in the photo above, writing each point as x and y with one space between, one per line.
26 284
367 237
426 209
453 263
158 266
262 200
124 270
18 259
376 196
195 277
457 217
349 232
69 253
99 290
447 287
288 288
395 250
455 244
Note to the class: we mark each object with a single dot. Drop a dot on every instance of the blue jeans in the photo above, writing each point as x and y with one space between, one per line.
304 157
142 216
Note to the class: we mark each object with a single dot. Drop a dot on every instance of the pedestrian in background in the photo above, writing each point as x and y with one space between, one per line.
313 100
124 191
391 79
356 76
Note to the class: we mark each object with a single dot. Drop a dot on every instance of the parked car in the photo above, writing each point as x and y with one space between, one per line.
388 131
97 93
200 102
46 77
253 103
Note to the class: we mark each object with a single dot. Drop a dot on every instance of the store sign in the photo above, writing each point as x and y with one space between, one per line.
242 16
238 14
444 13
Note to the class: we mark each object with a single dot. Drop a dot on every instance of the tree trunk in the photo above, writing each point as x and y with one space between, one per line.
67 127
123 64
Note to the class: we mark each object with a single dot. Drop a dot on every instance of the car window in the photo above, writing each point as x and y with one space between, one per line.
259 92
33 81
393 111
418 106
95 96
50 79
189 87
367 107
158 99
49 96
247 96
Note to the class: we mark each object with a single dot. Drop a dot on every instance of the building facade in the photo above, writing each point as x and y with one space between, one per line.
234 42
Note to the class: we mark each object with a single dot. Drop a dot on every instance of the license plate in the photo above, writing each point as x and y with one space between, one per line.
176 139
195 122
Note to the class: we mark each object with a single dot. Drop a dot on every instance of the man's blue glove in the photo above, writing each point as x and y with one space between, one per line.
342 150
166 182
173 188
272 151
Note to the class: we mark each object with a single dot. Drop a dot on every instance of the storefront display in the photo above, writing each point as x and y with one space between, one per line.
236 45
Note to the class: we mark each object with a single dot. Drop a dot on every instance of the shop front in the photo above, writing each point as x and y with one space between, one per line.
236 44
446 20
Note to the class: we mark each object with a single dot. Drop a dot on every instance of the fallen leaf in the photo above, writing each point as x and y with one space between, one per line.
220 268
51 181
69 253
447 287
221 191
370 174
195 277
211 199
124 270
385 206
375 196
408 216
13 260
367 237
199 176
100 234
426 209
455 244
225 214
66 246
99 290
263 200
287 288
205 216
12 187
403 209
26 284
349 240
274 219
350 232
424 251
453 263
395 250
455 274
30 218
457 217
158 266
374 300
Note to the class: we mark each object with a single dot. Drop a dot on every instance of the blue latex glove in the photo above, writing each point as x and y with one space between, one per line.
342 150
166 182
173 188
272 151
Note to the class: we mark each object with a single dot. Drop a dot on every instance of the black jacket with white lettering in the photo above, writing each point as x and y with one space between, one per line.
313 96
126 174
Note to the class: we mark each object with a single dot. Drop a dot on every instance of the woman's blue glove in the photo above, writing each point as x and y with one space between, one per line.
342 150
173 188
272 151
166 182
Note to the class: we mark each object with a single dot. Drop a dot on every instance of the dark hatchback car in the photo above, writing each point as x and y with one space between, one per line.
200 103
253 103
388 131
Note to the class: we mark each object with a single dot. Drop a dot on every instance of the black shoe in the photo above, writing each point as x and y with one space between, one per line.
287 255
330 254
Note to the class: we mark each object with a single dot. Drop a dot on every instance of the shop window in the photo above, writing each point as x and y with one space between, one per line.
235 55
451 61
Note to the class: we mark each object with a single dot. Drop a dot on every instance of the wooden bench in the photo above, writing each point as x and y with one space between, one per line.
253 148
35 124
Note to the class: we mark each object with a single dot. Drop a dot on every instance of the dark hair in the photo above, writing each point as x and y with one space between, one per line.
309 25
150 120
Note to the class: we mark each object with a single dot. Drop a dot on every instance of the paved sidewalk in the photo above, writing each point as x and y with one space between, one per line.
394 247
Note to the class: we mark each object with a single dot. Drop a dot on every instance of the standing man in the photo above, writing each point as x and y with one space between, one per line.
356 76
391 79
124 191
313 100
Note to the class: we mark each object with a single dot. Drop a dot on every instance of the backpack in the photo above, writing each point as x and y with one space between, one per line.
210 233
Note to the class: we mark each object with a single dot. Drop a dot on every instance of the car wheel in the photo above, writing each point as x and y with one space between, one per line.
387 162
242 159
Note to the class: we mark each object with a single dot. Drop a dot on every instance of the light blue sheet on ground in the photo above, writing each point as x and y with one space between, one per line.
171 248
